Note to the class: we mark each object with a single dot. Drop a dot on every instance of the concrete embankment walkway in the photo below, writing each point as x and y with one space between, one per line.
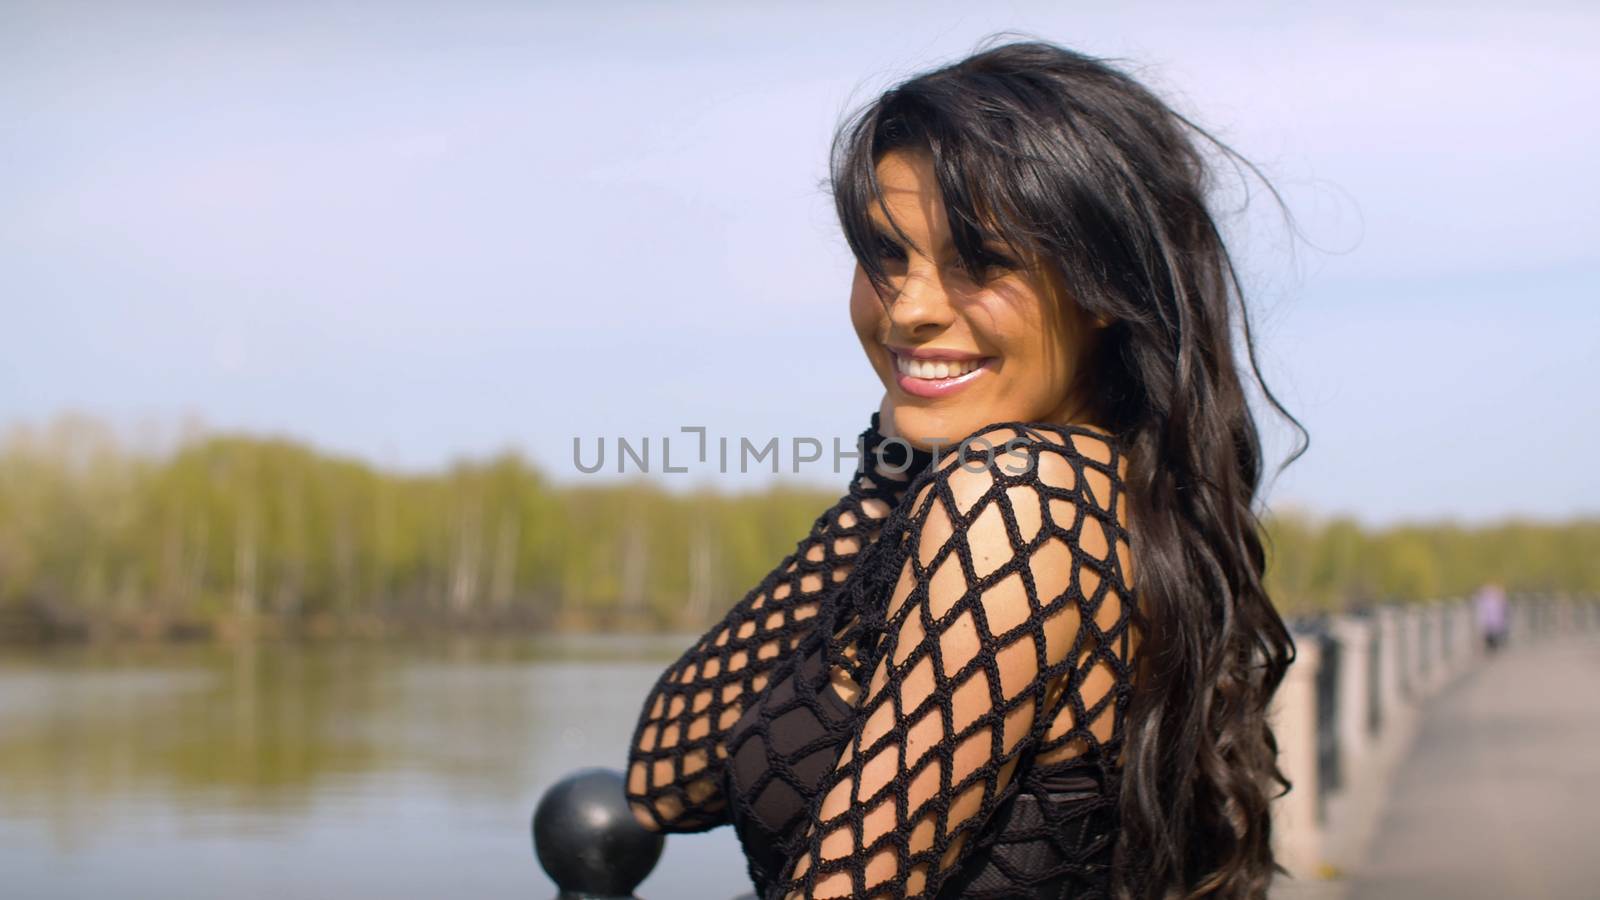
1499 795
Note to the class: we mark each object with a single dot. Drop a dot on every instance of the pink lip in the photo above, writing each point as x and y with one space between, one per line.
932 353
937 387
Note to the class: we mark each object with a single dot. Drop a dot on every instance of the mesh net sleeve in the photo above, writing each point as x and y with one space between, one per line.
1006 637
675 761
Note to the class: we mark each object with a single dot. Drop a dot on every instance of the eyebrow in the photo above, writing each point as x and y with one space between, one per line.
984 241
880 234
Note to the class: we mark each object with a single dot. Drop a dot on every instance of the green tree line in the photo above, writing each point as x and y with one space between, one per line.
225 534
1326 565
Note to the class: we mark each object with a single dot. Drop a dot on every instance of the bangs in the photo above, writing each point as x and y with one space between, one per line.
972 165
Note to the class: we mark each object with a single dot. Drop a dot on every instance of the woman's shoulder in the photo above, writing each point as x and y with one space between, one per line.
1007 480
1049 455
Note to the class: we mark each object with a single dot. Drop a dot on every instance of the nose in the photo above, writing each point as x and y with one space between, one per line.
922 307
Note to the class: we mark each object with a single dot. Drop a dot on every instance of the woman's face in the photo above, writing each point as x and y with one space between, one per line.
956 356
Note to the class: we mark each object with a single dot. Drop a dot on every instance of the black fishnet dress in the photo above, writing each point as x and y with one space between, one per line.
986 601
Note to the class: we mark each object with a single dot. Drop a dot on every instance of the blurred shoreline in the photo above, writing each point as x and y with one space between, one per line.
236 537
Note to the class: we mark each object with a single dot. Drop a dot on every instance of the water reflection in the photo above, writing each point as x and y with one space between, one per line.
325 770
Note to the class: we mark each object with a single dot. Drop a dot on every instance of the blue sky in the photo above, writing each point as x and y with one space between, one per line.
413 232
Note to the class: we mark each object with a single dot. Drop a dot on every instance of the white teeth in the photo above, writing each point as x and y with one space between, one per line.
935 369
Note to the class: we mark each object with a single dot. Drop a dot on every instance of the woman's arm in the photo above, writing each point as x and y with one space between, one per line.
1008 577
678 745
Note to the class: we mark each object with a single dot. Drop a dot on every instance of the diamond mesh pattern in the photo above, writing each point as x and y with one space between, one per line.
990 615
1008 635
674 775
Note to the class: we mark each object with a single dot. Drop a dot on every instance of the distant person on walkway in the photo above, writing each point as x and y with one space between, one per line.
1491 603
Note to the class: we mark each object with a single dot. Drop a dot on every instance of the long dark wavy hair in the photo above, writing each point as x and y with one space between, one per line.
1073 161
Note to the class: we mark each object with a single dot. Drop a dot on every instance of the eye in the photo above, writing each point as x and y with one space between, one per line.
992 265
994 259
886 249
889 256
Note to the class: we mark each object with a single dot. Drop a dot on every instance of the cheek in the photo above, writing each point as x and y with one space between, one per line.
1012 323
1038 351
866 311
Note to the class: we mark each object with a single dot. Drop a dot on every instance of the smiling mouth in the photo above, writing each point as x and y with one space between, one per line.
923 377
935 369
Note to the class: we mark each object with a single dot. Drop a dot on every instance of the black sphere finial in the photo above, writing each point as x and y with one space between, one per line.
588 840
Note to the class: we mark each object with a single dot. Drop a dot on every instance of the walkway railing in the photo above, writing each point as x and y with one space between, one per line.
588 841
1346 708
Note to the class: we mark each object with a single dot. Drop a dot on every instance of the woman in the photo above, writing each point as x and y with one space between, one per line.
1033 655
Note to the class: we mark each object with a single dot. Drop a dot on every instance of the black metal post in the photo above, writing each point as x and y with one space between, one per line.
588 841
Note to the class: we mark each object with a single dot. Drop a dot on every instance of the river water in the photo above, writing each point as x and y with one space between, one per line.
284 771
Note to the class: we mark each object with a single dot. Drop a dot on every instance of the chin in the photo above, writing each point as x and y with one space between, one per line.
925 428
